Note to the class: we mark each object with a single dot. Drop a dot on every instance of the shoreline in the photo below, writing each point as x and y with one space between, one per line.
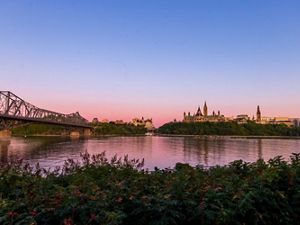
91 136
228 136
169 135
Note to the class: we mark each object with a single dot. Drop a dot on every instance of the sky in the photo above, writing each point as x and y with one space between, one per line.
120 59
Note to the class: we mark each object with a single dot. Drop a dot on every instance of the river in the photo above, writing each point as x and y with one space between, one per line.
161 152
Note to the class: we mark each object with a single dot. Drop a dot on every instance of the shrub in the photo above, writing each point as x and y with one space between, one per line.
96 190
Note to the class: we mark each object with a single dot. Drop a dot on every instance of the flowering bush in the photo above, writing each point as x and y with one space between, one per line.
96 190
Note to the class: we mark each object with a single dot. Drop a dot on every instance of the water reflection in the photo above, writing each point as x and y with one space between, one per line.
197 149
4 150
157 151
259 148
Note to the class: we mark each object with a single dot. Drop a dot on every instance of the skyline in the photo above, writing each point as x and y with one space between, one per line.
119 60
188 116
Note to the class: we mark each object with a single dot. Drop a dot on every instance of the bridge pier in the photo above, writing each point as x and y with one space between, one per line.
4 150
5 133
87 132
81 133
75 134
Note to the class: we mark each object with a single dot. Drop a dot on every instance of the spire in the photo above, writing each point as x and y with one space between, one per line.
258 114
199 113
205 109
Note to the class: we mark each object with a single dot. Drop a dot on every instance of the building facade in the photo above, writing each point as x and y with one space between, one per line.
203 117
290 122
147 123
198 116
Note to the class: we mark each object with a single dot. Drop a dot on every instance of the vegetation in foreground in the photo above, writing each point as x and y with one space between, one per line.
228 128
98 191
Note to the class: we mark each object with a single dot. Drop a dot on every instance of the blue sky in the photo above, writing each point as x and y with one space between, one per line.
155 58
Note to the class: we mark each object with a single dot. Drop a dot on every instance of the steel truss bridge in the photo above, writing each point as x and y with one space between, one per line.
13 109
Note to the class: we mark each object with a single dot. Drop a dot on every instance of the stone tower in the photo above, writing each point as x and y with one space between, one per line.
199 113
258 114
205 113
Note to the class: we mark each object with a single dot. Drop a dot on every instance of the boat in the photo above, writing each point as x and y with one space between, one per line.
149 134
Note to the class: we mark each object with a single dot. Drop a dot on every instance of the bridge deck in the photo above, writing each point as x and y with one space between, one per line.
36 120
13 107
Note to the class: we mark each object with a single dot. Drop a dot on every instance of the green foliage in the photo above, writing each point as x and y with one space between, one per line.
228 128
99 129
39 129
118 129
98 191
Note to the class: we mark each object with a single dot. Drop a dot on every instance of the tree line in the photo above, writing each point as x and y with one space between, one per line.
228 128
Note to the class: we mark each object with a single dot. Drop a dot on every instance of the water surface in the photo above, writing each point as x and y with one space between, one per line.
157 151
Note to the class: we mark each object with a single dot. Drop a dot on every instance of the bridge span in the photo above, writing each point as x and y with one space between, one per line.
14 108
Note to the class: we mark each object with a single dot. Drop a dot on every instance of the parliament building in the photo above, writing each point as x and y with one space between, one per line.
203 117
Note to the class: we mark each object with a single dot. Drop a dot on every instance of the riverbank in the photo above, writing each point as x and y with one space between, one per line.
227 136
101 191
91 136
210 137
229 129
201 130
99 129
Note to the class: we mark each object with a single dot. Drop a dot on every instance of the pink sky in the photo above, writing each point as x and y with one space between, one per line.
163 114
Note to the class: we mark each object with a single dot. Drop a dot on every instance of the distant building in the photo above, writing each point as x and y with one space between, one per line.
148 124
241 119
203 117
119 122
105 121
276 120
95 120
295 121
258 115
282 120
138 122
266 120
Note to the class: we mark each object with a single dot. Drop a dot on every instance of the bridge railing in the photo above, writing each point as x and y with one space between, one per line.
13 107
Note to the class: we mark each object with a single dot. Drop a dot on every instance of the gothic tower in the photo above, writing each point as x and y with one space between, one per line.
258 114
199 113
205 110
